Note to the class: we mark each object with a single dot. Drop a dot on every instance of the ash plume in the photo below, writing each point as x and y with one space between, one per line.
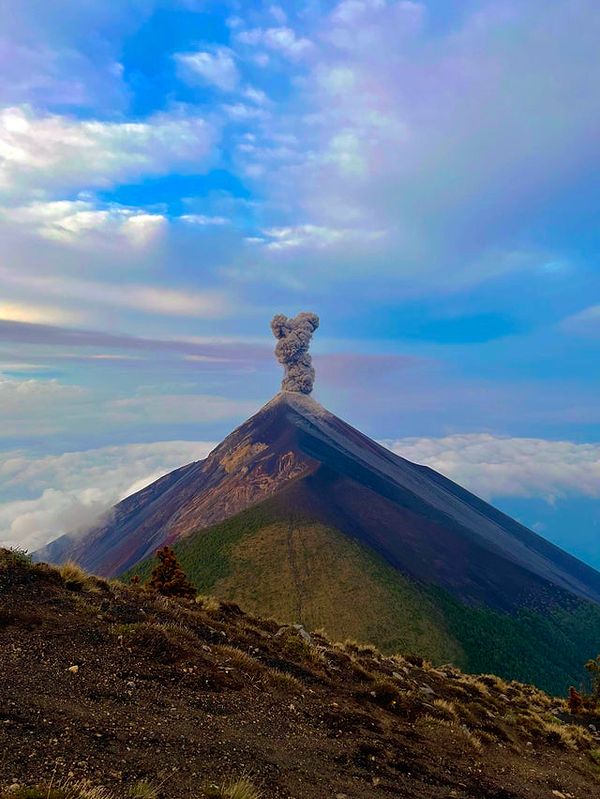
291 350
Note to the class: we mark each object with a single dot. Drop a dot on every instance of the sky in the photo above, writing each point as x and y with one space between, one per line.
423 175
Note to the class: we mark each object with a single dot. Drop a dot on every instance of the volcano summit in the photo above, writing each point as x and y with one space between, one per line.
298 515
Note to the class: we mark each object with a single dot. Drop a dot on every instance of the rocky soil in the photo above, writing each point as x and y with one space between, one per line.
116 685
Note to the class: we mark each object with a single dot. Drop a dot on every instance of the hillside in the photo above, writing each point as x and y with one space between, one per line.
117 686
276 563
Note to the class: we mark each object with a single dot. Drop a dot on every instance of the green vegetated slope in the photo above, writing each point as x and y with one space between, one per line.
274 563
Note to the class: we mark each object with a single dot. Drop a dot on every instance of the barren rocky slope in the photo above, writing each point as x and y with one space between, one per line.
116 685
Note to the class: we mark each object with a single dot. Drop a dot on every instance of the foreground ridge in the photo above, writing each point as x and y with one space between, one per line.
117 685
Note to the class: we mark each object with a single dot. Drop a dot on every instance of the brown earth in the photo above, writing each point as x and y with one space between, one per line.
116 685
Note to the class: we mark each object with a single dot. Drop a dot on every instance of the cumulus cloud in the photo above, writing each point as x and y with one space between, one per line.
43 497
56 153
215 68
492 466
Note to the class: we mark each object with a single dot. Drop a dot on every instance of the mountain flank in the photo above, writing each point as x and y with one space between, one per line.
124 688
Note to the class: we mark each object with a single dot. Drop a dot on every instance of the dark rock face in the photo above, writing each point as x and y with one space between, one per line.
420 522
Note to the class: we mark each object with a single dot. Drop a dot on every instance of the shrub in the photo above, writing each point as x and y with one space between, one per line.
168 578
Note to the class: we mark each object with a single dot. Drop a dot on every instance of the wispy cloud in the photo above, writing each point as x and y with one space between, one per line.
137 296
213 67
585 322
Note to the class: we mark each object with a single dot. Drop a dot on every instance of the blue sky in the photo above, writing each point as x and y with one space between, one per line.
424 175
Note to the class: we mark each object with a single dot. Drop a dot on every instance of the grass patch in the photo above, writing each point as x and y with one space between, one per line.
242 788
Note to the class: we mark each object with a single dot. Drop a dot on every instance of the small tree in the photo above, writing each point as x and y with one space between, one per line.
593 667
168 578
575 701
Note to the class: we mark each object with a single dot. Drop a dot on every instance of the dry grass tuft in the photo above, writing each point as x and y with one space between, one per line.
143 790
285 681
242 788
208 603
237 658
451 728
166 642
570 736
77 579
446 709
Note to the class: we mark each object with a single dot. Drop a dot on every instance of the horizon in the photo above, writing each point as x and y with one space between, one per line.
421 176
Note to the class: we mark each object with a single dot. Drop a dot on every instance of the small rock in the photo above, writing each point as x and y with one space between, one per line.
303 634
559 795
73 669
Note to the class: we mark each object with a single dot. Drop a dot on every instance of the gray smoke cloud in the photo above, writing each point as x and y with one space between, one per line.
293 340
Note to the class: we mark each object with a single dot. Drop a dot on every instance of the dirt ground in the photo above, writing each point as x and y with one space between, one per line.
116 685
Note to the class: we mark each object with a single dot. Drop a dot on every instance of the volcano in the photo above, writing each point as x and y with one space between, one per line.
297 514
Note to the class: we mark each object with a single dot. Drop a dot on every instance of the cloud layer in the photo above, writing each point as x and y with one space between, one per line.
491 466
69 492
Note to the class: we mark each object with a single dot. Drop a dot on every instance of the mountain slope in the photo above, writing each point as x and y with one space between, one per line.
275 562
430 522
324 488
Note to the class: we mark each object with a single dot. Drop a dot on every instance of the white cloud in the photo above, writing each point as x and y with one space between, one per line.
491 466
82 223
255 95
585 322
282 40
34 407
314 237
202 220
216 68
142 297
426 135
47 152
43 497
